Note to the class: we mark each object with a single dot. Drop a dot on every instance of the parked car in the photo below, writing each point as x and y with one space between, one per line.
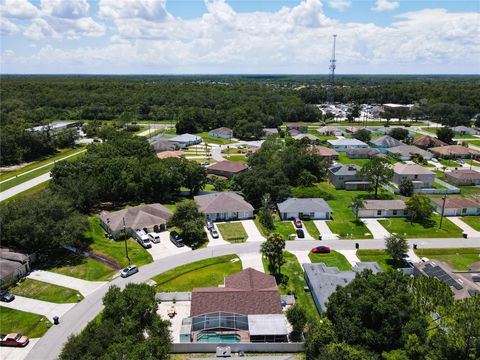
407 258
434 160
214 233
5 296
321 250
129 271
424 259
300 234
14 339
205 163
297 222
176 239
154 237
460 161
209 224
143 239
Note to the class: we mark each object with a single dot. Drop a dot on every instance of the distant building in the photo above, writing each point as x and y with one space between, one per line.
362 153
223 206
385 142
57 126
465 130
426 142
421 177
343 145
396 106
463 177
383 208
298 126
305 136
163 145
270 132
457 206
170 154
323 280
13 266
314 208
227 168
184 140
452 152
405 152
221 132
294 132
330 131
324 153
346 177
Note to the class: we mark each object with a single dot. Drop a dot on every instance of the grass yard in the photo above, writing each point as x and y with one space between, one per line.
237 158
311 228
449 163
115 250
15 321
233 232
205 273
332 259
284 228
474 142
459 259
378 256
473 221
213 140
417 230
44 291
343 159
295 283
465 190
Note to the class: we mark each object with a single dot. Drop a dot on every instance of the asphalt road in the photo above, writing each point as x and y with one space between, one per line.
50 345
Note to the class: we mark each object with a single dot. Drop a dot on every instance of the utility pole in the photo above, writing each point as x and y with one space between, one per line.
331 77
126 237
444 198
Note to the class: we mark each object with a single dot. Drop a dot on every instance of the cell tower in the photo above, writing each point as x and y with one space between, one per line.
331 77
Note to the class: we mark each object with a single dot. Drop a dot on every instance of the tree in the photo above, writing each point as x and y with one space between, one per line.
399 133
272 249
406 187
445 134
343 351
378 170
396 246
305 178
195 175
357 204
362 135
420 207
297 317
190 221
128 328
431 295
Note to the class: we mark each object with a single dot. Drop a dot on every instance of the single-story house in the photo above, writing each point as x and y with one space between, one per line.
224 206
426 142
294 132
13 266
57 126
227 168
346 177
299 126
184 140
323 280
452 152
404 152
221 132
457 206
347 144
246 308
150 217
305 136
270 132
324 152
362 153
383 208
463 177
314 208
419 175
330 130
163 145
385 142
465 130
170 154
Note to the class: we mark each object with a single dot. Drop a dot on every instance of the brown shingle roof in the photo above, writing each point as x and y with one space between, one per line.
457 202
451 150
222 130
247 292
163 145
464 174
138 217
228 166
428 141
222 202
384 205
410 169
323 151
405 150
169 154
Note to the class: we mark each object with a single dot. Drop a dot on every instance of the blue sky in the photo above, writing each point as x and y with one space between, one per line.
224 36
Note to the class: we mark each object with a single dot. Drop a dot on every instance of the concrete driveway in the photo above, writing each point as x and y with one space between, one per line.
215 242
166 248
377 230
83 286
253 234
471 232
11 353
324 230
252 260
45 308
302 257
350 255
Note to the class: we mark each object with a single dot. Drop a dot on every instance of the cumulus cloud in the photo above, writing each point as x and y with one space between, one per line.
384 5
339 4
19 9
66 9
151 10
7 27
40 29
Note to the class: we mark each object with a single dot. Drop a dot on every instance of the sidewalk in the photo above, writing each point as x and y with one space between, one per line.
377 230
471 232
45 308
302 257
83 286
324 230
4 195
350 255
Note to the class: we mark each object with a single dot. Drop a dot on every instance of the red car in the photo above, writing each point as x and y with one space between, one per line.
321 250
17 340
297 222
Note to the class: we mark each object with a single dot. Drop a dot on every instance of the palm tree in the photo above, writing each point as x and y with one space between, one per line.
272 249
357 204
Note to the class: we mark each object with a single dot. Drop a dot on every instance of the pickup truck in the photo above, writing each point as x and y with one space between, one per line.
14 339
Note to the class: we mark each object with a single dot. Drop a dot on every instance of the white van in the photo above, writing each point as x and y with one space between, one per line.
154 237
143 239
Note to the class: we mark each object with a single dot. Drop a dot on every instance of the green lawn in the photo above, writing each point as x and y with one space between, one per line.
115 250
295 284
213 140
15 321
311 228
284 228
474 142
44 291
448 163
416 230
233 232
343 159
465 190
237 158
378 256
332 259
205 273
459 259
473 221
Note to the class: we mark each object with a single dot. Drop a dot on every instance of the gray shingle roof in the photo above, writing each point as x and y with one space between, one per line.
184 138
222 202
406 150
306 205
384 205
342 170
346 142
410 169
386 141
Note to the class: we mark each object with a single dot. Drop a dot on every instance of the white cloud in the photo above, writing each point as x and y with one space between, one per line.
340 4
152 10
40 29
19 9
7 27
383 5
67 9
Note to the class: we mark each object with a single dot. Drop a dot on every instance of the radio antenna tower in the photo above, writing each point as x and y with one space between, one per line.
331 77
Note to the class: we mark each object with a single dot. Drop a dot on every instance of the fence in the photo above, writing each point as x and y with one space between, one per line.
171 296
237 347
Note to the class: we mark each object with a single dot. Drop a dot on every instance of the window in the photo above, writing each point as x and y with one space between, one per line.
379 212
415 177
394 212
405 212
464 210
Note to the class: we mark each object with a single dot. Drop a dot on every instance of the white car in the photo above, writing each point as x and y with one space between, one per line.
143 239
129 271
407 258
434 160
154 237
424 259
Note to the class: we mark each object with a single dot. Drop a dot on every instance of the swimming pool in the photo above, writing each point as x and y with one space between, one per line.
218 338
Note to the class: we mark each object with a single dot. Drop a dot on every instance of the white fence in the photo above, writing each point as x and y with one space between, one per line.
237 347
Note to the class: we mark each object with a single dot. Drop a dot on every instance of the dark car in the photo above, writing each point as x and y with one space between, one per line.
5 296
321 250
15 340
129 271
176 239
297 222
300 233
209 224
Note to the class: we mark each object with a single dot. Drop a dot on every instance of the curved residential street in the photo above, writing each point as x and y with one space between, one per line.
74 320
